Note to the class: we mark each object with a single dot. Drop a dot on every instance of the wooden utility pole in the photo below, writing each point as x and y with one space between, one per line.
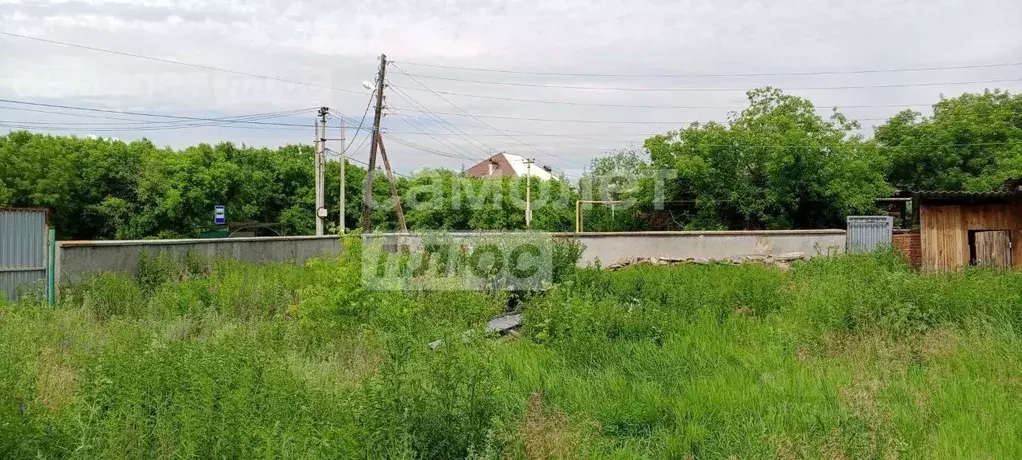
528 192
393 186
344 159
367 199
320 179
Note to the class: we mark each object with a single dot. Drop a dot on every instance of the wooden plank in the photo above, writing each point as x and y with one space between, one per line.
927 236
993 248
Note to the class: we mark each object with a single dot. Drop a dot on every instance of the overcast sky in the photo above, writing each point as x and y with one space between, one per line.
336 44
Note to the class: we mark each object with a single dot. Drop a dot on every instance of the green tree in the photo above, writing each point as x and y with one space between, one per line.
624 176
5 194
775 165
972 142
70 176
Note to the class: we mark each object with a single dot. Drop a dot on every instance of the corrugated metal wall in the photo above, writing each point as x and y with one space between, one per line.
23 255
867 233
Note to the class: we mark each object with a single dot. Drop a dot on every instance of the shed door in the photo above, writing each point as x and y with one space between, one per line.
993 248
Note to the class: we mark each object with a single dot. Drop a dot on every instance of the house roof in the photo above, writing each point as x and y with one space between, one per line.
964 194
522 169
507 164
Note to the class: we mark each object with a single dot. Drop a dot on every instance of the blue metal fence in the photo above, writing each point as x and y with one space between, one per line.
868 233
23 253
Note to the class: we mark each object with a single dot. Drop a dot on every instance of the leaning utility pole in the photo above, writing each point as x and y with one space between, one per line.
393 186
367 199
344 159
320 182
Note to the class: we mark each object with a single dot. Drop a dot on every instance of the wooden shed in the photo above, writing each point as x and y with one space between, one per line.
958 229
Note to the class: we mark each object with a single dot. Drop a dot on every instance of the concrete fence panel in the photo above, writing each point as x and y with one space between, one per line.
79 259
610 248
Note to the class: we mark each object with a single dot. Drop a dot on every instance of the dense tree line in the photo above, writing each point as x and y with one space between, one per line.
776 164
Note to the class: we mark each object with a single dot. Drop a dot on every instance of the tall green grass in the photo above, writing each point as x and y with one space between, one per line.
844 357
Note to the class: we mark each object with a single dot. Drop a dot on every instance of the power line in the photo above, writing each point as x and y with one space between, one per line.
454 147
33 126
356 160
423 148
479 120
929 146
563 120
130 123
566 136
717 75
743 89
447 125
364 140
427 149
636 106
186 64
146 114
361 122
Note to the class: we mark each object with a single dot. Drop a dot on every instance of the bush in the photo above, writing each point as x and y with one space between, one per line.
435 404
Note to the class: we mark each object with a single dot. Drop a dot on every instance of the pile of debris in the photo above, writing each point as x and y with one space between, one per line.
782 261
507 324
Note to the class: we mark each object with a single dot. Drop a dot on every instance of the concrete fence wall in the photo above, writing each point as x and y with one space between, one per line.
79 259
614 247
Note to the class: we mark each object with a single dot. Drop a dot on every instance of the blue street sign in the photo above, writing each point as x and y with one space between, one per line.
219 215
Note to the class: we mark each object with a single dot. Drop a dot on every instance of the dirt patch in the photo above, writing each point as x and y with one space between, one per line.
831 448
56 382
938 342
546 434
347 366
860 396
743 310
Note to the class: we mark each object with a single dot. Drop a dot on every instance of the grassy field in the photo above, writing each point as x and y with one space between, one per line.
848 357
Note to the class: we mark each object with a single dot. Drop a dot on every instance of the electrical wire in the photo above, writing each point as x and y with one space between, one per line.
146 114
186 64
423 148
454 147
131 123
742 89
636 106
356 160
562 120
361 122
479 120
447 125
427 149
717 75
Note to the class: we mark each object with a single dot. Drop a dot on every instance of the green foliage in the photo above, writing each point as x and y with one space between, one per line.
776 165
104 188
565 258
430 404
621 176
853 356
444 200
5 194
972 142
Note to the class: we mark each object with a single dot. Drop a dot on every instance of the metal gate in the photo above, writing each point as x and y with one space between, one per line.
868 233
23 253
